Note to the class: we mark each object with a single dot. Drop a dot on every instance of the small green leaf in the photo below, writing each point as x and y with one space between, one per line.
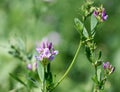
78 25
49 78
99 74
85 33
93 22
18 79
88 53
32 82
98 63
94 78
40 70
100 54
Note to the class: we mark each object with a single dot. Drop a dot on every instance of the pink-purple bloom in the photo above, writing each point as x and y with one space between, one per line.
32 66
95 13
108 67
29 66
100 13
46 51
104 15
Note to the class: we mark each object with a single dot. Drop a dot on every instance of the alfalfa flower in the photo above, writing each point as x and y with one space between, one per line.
100 14
109 69
46 52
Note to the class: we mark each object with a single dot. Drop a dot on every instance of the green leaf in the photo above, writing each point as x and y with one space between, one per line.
40 70
88 53
99 74
49 78
100 54
85 33
32 82
78 25
94 78
18 79
98 63
93 23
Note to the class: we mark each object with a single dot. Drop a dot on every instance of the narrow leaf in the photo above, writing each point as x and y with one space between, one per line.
85 33
40 70
99 74
78 25
88 53
33 82
94 78
93 22
100 54
18 79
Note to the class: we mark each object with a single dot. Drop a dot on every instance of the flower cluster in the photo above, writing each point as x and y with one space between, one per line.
46 51
108 68
100 14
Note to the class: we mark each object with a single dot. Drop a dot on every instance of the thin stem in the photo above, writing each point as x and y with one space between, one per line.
44 82
96 88
96 72
70 66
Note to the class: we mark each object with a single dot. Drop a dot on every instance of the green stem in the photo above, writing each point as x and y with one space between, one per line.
96 88
44 82
70 66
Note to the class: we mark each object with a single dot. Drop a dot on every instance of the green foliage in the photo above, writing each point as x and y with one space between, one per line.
18 79
93 24
40 70
79 25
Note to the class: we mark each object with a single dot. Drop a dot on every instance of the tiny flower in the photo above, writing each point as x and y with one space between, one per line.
32 66
105 65
104 15
108 68
29 66
95 13
100 14
46 52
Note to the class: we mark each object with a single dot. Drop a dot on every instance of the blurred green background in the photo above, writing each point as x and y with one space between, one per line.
32 20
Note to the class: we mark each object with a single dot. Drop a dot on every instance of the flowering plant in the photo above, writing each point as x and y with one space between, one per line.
39 74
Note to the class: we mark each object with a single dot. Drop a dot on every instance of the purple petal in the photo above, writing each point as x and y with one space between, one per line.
39 58
39 50
51 57
35 65
55 52
50 46
43 45
105 17
95 13
46 53
106 65
29 66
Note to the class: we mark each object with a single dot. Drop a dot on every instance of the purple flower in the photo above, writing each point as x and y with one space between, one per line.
95 13
100 14
46 51
29 66
32 66
108 67
104 15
